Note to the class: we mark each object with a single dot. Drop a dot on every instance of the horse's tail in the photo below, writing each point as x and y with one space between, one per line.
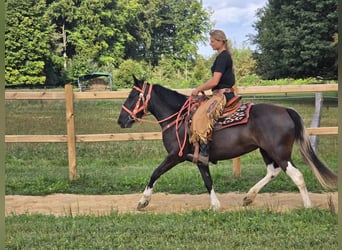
323 174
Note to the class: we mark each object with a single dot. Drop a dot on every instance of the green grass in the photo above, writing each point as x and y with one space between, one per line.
247 229
109 168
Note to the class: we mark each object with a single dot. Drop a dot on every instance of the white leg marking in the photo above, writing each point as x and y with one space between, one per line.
298 179
215 203
271 173
145 199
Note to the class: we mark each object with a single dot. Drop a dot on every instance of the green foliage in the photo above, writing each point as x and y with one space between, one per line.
244 64
201 70
54 42
123 75
27 42
171 28
296 39
60 40
78 66
255 80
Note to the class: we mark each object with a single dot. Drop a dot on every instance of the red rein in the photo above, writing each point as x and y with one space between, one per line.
141 105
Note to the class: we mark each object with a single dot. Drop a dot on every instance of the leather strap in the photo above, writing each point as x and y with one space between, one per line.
224 90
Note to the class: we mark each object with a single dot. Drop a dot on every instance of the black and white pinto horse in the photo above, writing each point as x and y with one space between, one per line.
270 128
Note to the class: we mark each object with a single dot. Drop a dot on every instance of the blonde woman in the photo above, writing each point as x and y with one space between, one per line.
221 83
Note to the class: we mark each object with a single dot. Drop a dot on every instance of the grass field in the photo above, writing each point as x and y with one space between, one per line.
125 167
301 229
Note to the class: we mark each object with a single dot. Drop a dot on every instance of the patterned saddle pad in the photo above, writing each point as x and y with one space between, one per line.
240 116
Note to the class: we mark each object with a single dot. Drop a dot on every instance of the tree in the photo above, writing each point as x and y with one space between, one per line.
61 13
123 76
55 41
171 28
244 64
98 34
295 39
27 43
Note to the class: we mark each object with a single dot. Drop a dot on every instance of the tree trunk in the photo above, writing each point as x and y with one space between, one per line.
64 46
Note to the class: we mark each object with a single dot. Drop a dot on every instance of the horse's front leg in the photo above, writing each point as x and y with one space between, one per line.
145 199
166 165
208 182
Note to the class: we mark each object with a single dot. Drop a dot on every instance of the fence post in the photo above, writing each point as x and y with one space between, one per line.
236 167
70 122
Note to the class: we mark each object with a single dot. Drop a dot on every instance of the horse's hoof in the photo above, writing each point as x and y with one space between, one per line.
247 201
141 206
216 208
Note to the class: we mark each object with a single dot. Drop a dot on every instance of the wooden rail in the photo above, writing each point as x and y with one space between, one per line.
71 138
127 136
123 94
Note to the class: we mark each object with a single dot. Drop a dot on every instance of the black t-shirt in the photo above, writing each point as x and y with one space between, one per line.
224 64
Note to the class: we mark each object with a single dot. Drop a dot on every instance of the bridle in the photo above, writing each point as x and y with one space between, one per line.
142 104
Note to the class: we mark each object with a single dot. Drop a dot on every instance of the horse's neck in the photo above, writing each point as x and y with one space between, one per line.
161 108
161 111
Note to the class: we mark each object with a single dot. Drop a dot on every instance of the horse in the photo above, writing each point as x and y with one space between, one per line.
271 129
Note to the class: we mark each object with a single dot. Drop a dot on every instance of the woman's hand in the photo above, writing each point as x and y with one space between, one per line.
195 92
211 83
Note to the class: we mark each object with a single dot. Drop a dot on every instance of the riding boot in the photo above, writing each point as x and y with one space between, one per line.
203 156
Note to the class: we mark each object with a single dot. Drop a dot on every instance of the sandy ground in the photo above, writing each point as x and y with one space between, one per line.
73 204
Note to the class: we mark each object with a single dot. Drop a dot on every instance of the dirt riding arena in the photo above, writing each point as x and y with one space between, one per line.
73 204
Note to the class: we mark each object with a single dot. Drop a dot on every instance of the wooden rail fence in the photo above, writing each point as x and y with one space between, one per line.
71 138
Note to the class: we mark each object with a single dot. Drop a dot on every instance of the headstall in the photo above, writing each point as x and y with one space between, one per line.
142 102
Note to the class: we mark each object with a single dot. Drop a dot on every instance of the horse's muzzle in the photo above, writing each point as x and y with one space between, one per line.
126 124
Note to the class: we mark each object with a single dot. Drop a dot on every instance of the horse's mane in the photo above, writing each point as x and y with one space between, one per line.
170 97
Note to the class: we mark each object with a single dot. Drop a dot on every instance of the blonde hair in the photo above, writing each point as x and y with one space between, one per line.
219 35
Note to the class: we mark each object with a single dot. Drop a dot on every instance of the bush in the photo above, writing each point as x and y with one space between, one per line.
123 75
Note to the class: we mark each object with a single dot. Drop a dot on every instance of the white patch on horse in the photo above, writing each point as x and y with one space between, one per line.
215 203
298 179
145 199
148 192
272 172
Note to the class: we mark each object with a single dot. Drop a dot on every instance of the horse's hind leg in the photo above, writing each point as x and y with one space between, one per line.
205 172
272 172
298 179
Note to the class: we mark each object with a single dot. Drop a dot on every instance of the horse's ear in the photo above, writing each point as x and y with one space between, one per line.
136 81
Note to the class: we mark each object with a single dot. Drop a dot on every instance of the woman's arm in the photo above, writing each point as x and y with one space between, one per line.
211 83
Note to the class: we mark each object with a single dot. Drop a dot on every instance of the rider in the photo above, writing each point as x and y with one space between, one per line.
221 84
